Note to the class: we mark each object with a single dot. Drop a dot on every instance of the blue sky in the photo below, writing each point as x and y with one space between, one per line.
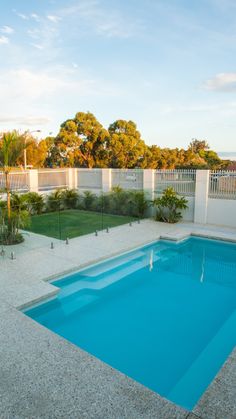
169 65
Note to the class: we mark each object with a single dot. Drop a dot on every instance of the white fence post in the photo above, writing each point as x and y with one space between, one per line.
33 180
70 178
201 196
75 176
106 180
148 182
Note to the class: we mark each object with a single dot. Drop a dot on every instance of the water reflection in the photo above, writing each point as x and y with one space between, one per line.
200 260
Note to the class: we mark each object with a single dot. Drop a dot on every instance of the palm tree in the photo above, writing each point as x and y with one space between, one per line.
12 145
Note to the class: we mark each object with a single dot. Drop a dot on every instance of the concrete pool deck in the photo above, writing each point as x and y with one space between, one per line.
45 376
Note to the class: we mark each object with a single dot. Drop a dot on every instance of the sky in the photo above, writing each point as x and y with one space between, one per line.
168 65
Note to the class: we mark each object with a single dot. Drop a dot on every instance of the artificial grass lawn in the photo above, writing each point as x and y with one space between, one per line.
73 223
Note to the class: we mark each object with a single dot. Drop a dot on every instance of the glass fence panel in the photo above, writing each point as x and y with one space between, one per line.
74 214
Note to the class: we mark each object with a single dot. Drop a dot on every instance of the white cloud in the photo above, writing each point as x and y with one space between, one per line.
35 17
7 29
223 82
22 16
4 40
37 46
109 23
28 89
54 18
27 86
24 120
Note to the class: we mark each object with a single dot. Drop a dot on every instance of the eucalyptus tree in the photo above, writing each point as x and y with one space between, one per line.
126 147
81 141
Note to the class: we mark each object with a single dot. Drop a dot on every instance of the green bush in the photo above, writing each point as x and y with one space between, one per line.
121 203
139 202
18 202
169 206
89 200
20 218
70 198
55 200
35 202
128 202
103 203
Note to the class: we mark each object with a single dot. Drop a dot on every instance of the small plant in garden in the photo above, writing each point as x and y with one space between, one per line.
55 200
120 201
34 202
20 218
103 203
70 198
169 206
89 200
139 203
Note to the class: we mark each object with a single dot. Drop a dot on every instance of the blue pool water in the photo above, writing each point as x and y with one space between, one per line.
163 314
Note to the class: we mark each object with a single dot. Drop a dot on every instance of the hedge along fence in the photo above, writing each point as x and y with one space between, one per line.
117 202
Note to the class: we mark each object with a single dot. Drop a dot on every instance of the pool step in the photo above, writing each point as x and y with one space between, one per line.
106 281
117 262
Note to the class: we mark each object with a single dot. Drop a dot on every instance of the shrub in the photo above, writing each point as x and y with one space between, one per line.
18 202
70 198
120 201
35 202
20 218
103 203
89 201
169 205
55 200
139 203
128 202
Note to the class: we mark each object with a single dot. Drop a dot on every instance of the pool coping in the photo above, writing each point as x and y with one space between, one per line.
206 406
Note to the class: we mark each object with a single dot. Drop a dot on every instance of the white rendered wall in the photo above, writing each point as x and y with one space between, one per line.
188 214
221 212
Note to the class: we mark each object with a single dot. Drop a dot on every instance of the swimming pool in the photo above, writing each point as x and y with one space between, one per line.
163 314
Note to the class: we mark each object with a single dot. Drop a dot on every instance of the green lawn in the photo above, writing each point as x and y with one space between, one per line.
73 223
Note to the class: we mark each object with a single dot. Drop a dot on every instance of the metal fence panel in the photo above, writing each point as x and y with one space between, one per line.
19 181
182 181
127 178
222 184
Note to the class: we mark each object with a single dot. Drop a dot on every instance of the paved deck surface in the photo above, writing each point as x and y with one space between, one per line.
44 376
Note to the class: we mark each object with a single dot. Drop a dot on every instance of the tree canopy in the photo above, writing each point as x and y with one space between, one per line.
126 149
82 141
